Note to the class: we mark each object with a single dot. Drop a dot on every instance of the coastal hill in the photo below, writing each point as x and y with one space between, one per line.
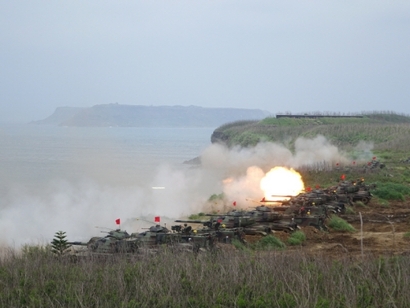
385 130
149 116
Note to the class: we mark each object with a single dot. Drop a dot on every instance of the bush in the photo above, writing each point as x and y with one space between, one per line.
216 197
297 238
339 224
387 194
239 245
359 204
270 242
350 209
392 191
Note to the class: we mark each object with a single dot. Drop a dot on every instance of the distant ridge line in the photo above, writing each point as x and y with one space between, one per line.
316 116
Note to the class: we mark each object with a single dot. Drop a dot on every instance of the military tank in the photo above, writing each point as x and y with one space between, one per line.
116 241
310 215
262 220
150 240
220 234
354 190
176 238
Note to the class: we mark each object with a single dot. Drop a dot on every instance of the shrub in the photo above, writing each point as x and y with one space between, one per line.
297 238
239 245
359 204
339 224
387 194
270 242
350 209
392 191
216 197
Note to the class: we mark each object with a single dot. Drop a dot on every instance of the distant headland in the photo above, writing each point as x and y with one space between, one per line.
117 115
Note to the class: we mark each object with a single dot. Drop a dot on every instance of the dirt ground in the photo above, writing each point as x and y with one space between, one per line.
385 231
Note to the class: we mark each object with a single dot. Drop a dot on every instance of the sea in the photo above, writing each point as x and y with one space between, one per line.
81 180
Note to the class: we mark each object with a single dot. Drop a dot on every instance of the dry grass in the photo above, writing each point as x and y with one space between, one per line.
224 279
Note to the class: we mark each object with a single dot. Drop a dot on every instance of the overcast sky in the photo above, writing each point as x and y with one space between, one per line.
279 56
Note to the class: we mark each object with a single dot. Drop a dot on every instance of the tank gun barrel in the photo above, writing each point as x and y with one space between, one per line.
192 221
77 243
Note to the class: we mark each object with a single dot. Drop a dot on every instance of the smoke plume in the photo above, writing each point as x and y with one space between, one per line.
78 206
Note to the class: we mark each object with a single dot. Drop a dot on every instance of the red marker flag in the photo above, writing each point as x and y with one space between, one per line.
308 188
342 177
234 203
157 219
118 221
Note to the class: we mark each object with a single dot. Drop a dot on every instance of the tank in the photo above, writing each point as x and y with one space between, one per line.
262 220
309 215
116 241
220 235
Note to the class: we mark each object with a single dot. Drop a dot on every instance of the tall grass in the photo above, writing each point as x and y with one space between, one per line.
223 279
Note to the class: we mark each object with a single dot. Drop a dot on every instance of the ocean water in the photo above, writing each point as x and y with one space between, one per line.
33 155
69 178
76 179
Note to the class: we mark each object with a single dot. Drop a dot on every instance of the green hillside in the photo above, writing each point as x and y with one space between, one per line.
387 131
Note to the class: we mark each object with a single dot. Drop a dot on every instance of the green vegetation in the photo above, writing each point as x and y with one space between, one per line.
297 238
223 279
260 274
392 191
59 243
198 216
239 245
359 204
386 130
268 243
350 210
216 197
339 224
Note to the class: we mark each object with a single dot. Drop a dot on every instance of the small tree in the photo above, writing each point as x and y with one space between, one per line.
59 243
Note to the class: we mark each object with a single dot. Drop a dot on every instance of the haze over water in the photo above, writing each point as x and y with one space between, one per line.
69 178
74 179
32 155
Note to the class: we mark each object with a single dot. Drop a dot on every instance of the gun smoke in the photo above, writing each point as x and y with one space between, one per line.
77 207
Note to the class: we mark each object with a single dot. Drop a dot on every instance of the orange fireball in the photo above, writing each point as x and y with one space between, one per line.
280 183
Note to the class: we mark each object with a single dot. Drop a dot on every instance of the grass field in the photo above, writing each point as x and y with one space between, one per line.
38 278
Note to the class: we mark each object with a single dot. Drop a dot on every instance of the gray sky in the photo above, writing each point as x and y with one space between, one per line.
296 56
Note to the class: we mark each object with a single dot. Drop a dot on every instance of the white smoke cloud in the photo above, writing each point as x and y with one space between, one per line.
364 150
316 150
76 207
245 167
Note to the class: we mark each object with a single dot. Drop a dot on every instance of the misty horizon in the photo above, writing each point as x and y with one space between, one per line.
270 55
73 179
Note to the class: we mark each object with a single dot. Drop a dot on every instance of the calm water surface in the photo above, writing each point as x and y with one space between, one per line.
32 156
